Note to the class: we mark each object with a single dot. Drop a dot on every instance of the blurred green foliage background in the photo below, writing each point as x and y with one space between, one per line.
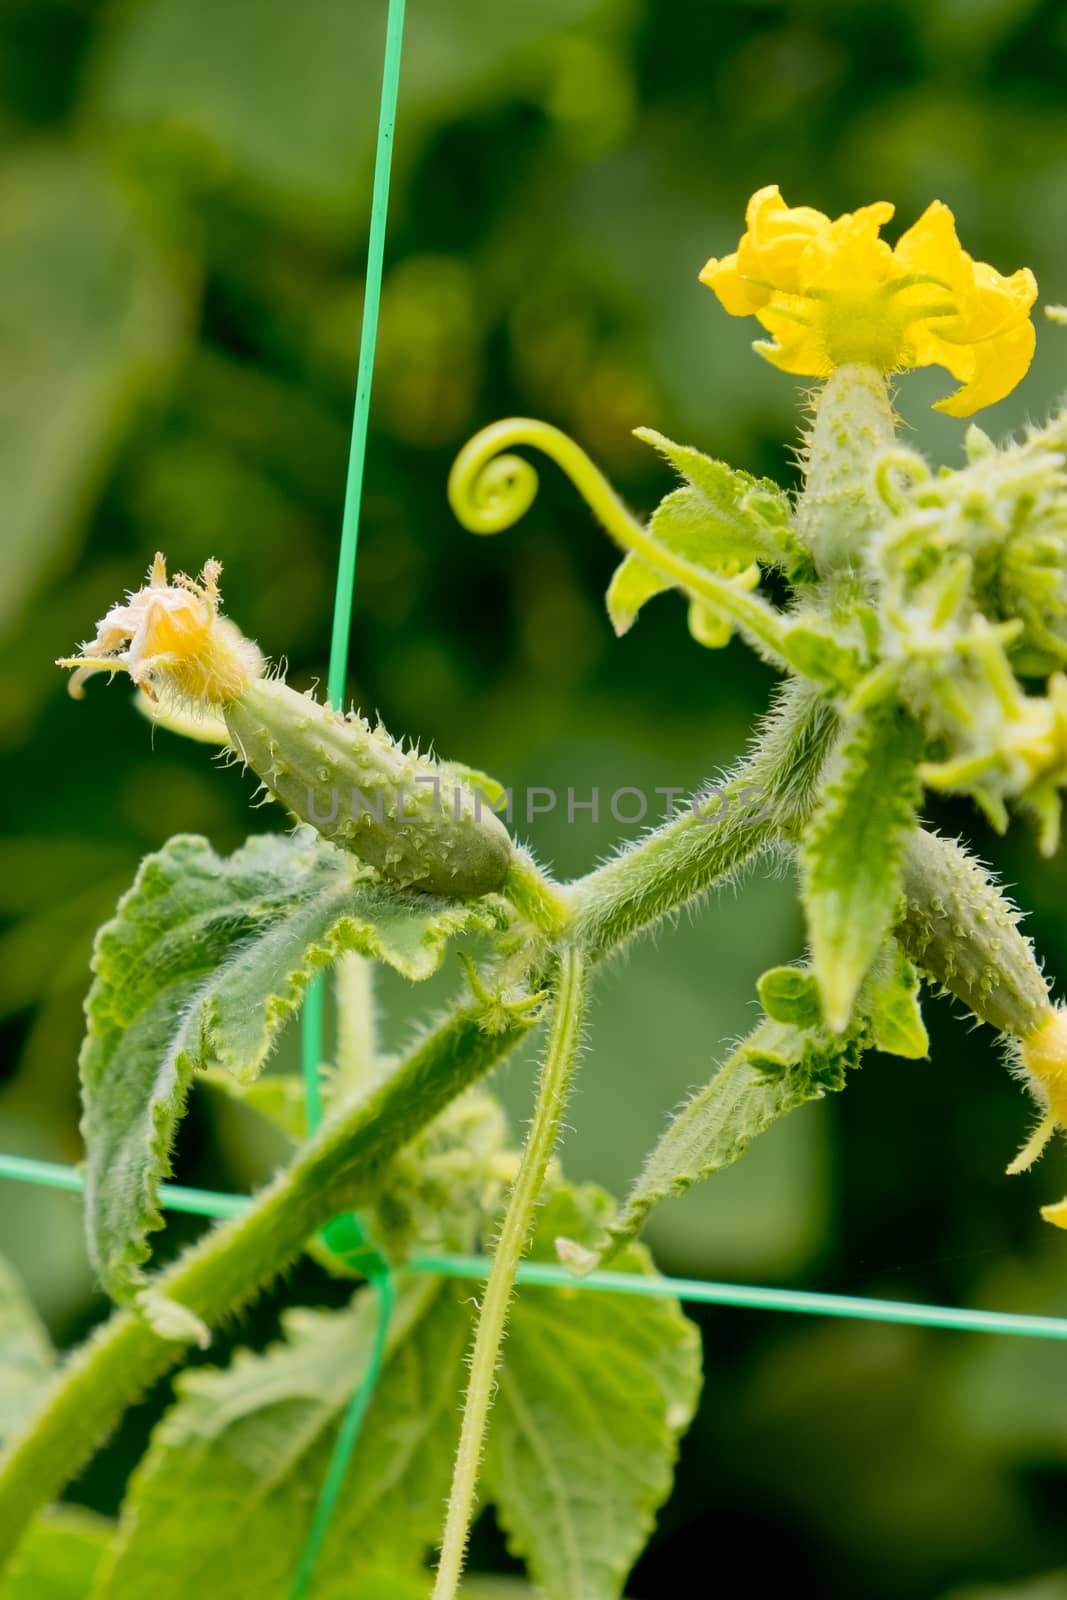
184 193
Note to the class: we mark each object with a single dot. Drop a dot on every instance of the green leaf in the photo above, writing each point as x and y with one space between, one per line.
203 962
722 524
386 1586
59 1557
852 853
820 657
723 518
776 1068
790 994
496 1589
594 1393
26 1356
709 1133
891 999
88 314
242 1454
719 602
241 1457
634 582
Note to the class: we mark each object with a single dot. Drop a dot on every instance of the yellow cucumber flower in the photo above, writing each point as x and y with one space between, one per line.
1043 1060
833 292
172 640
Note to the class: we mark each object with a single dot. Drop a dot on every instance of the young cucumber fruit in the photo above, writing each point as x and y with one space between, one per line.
411 819
962 930
414 821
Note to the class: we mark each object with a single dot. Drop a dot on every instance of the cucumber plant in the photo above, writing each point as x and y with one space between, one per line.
919 622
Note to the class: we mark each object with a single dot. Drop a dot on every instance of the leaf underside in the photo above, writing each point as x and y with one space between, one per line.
204 961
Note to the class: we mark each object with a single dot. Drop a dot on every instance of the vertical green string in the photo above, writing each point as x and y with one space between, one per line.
345 1235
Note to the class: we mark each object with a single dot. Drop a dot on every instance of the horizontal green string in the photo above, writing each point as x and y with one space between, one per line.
207 1203
53 1175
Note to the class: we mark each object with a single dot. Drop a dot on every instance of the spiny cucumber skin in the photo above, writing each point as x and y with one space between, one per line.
962 930
336 773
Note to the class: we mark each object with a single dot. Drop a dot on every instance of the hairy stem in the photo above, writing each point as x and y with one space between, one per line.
534 896
553 1085
338 1169
840 502
767 796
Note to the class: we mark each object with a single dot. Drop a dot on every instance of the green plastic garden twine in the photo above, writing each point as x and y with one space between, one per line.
546 1274
345 1235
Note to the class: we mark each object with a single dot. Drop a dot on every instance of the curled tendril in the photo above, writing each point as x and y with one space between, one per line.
895 468
489 489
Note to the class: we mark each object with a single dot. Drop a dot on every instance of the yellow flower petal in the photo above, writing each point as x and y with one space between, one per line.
996 303
776 238
1056 1214
996 366
802 359
833 292
735 295
798 346
767 255
768 216
848 254
930 246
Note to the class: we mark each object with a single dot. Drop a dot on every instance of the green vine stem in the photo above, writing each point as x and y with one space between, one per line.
489 491
339 1169
535 897
767 796
563 1043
